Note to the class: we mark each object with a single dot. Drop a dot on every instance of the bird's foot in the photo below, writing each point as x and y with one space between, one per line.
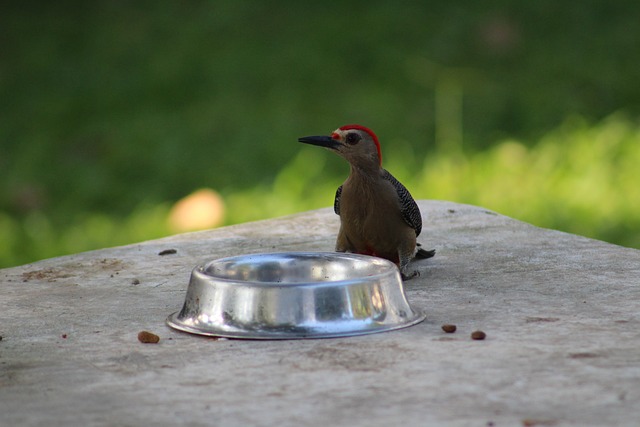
406 277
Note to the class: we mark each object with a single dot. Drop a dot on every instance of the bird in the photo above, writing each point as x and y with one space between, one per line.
378 215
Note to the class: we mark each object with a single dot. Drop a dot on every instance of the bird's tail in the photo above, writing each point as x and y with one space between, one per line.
423 253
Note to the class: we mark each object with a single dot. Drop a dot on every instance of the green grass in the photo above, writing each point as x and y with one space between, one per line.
579 178
112 111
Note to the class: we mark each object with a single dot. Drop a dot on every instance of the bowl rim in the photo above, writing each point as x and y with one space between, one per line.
390 269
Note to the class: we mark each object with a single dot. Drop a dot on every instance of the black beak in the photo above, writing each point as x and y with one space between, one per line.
321 141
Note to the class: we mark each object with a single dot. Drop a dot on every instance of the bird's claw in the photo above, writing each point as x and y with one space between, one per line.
406 277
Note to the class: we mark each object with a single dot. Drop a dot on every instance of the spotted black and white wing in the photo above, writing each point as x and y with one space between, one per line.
408 207
336 202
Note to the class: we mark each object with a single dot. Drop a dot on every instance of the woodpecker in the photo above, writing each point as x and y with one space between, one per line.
378 216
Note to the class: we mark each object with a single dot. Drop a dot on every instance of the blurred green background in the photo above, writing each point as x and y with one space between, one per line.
110 112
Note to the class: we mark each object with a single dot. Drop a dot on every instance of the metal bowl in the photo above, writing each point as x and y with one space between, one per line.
294 295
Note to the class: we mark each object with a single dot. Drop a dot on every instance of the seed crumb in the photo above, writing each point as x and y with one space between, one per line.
449 328
478 335
147 337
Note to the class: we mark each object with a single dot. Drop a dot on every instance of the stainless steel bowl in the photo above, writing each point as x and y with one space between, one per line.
294 295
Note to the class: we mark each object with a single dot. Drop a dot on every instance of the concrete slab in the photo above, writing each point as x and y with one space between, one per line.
561 314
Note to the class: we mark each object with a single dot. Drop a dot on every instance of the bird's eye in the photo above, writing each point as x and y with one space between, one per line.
353 138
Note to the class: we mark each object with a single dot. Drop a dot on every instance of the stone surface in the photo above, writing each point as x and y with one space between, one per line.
561 315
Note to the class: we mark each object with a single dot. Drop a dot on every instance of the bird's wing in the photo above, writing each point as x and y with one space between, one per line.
408 207
336 202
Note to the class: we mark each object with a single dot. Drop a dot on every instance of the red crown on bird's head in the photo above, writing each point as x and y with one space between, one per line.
367 130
